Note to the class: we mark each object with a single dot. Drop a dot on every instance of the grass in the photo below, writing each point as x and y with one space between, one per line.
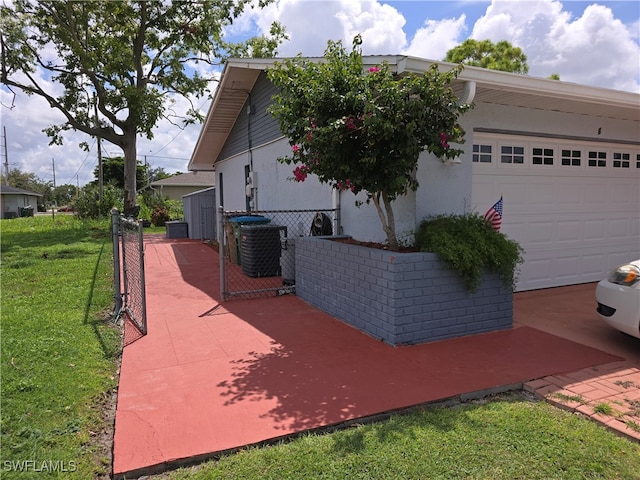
59 361
508 438
58 358
603 408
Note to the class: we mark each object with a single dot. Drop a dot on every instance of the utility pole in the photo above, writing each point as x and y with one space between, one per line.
6 158
53 207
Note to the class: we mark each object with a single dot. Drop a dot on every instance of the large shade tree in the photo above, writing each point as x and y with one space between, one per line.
486 54
363 129
124 59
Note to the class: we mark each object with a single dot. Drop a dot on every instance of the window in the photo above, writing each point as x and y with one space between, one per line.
482 153
542 156
571 158
511 154
597 159
637 160
621 160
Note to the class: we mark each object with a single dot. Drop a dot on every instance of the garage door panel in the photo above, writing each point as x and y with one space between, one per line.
540 234
569 231
618 228
574 223
593 265
595 230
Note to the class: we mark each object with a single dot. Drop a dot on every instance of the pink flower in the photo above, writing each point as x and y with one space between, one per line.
443 140
300 173
295 149
374 69
350 123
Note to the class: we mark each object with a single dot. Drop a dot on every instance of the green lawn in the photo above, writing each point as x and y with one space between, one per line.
507 438
59 361
59 349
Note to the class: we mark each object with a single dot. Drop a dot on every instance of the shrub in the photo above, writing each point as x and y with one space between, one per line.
87 203
154 201
468 244
160 216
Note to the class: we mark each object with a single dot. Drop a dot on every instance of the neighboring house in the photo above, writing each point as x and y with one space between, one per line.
176 186
565 158
14 200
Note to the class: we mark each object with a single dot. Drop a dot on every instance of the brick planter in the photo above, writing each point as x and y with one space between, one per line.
400 298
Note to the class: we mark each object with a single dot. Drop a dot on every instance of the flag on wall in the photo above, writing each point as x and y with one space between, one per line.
494 215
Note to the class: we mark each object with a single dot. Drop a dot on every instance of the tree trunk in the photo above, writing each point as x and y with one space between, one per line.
130 170
386 218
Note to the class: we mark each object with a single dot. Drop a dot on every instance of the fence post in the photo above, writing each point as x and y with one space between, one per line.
115 240
220 228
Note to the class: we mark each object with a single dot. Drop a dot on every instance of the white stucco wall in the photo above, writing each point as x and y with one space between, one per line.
363 223
550 123
275 191
444 188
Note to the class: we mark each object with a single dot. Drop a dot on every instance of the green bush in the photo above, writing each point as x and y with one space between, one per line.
87 203
151 202
145 210
160 216
468 244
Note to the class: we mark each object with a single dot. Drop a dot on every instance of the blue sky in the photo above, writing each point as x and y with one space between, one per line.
593 43
414 10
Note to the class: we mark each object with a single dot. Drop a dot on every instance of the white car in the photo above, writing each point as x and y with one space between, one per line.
618 298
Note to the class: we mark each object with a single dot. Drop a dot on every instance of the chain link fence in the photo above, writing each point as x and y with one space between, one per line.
258 248
130 288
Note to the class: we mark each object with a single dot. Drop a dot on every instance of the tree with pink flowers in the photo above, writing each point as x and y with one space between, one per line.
363 129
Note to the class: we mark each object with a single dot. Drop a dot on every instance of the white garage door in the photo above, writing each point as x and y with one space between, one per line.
573 205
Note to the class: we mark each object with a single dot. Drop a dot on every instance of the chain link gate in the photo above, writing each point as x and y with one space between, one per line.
132 301
257 249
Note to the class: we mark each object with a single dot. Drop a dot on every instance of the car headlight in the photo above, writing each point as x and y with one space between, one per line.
626 275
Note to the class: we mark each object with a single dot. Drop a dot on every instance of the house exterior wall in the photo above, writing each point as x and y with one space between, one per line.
274 189
445 188
13 203
175 192
259 126
499 117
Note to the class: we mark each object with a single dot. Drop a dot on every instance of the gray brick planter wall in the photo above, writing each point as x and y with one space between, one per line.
400 298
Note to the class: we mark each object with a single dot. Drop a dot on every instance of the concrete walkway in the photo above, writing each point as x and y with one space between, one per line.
210 377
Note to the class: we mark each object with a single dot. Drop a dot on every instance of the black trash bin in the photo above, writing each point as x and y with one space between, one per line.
260 246
26 211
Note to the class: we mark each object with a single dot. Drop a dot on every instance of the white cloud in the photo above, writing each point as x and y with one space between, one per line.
310 24
594 49
590 47
436 38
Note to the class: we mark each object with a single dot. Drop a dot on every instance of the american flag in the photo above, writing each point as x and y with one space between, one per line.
494 215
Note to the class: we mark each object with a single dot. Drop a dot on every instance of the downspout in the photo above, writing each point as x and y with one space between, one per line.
465 98
468 93
254 188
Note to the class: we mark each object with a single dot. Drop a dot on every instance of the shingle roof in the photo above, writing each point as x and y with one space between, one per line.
6 190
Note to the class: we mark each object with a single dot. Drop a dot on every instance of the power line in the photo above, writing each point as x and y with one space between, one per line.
82 164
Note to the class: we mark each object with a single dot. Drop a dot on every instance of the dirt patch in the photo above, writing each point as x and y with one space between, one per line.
379 246
102 439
